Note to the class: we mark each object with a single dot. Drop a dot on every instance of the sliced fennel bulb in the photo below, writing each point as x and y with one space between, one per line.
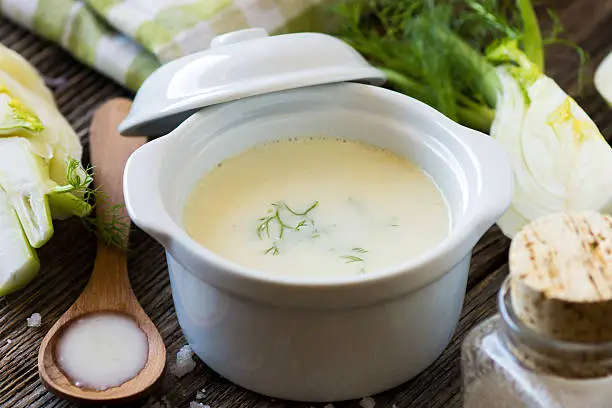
16 119
23 176
603 78
19 263
57 132
52 139
41 176
20 81
507 128
18 68
560 160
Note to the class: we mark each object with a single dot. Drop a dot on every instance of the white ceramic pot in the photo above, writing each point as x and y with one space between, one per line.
299 338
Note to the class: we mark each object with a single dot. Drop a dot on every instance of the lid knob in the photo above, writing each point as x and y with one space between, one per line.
238 36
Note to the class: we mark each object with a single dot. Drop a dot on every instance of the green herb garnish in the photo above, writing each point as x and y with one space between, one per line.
264 228
272 250
352 258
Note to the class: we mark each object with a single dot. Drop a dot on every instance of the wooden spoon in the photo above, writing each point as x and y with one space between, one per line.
108 289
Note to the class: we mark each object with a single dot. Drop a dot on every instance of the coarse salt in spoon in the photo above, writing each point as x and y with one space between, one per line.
105 342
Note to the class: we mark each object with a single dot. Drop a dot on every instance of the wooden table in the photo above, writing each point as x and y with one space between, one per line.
68 258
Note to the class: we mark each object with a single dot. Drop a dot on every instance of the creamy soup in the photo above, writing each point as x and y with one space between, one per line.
317 207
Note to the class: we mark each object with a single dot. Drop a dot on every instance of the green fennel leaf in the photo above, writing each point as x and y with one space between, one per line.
352 258
278 220
434 50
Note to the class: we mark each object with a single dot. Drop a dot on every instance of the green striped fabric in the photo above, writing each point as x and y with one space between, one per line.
128 39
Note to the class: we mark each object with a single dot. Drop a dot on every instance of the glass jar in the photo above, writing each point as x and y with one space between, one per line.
506 364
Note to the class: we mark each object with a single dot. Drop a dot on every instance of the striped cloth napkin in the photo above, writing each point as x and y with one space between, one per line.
128 39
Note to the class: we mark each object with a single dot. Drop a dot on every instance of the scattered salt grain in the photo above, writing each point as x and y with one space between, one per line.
9 341
367 402
194 404
184 362
200 394
34 320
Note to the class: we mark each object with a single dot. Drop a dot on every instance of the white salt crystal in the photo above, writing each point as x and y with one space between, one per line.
367 402
200 394
184 362
194 404
9 341
34 320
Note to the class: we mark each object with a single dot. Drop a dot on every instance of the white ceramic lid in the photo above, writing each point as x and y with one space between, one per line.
237 65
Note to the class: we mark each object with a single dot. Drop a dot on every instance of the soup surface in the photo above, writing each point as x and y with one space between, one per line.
317 207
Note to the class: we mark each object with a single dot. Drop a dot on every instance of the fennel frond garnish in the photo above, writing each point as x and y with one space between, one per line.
352 258
355 258
277 220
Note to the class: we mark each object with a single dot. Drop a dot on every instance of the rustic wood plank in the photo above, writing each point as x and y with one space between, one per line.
68 258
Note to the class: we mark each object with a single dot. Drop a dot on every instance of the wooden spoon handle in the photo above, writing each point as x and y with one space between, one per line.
109 285
109 153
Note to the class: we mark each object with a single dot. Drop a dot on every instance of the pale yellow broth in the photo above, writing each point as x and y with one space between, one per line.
365 209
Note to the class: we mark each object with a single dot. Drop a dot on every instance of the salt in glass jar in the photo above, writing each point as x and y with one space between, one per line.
506 364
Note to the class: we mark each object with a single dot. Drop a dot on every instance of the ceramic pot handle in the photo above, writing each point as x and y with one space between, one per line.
496 184
142 192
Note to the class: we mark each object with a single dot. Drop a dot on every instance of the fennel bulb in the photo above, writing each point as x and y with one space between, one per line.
56 132
19 263
19 69
603 79
23 177
560 160
41 176
16 119
54 141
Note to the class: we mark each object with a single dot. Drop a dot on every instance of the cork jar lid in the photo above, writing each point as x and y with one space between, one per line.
561 276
